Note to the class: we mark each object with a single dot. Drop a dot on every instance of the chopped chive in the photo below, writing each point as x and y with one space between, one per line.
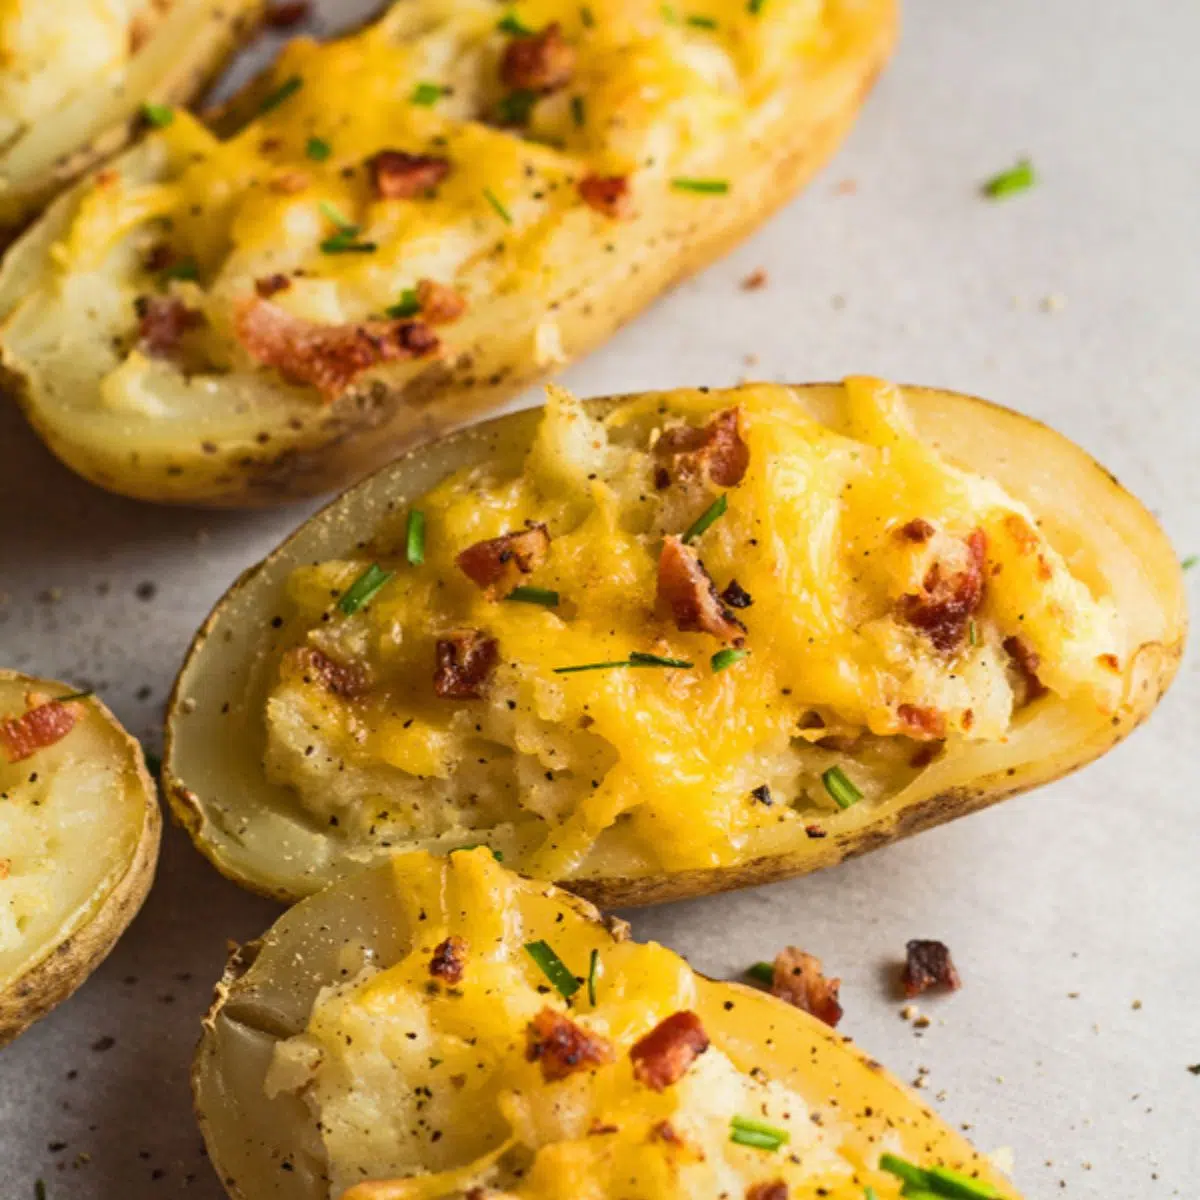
335 214
363 589
762 972
426 94
408 306
553 968
593 972
511 23
702 22
414 539
586 18
288 88
870 1194
494 201
318 149
726 658
838 785
596 666
579 111
710 187
514 109
908 1173
746 1131
1188 563
496 854
973 634
711 514
638 659
534 595
343 242
754 7
186 268
158 115
1008 183
944 1182
75 696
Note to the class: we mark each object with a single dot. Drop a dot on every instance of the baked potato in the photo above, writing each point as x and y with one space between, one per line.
79 827
76 77
419 220
663 645
440 1027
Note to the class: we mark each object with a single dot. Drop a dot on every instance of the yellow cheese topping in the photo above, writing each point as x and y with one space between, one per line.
834 535
426 1082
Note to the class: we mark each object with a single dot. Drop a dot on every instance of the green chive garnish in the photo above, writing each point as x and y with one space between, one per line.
494 201
944 1182
343 242
586 18
701 22
710 187
748 1132
158 115
288 88
596 666
838 785
712 513
514 109
639 659
496 854
726 658
186 268
870 1193
973 634
908 1173
363 589
534 595
426 94
762 972
409 305
335 214
579 111
754 7
1008 183
1188 563
318 149
414 540
553 968
511 23
75 696
593 972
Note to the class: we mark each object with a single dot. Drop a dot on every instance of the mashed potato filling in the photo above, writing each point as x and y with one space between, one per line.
714 613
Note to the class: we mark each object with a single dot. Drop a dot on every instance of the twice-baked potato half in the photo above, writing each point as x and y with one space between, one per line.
668 644
79 827
440 1027
418 220
78 76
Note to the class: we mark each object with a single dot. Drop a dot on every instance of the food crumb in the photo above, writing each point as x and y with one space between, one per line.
1136 1005
104 1043
909 1012
846 187
756 280
750 360
146 590
1055 302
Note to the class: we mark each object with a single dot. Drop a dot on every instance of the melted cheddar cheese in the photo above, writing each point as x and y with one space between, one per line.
834 533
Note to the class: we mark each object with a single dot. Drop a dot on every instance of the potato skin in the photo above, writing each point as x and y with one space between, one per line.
64 967
977 433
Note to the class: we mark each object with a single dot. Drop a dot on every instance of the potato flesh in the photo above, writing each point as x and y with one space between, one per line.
668 762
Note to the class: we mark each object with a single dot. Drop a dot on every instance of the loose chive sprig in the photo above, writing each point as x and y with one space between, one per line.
363 589
754 7
746 1131
705 187
726 658
414 538
1188 563
1018 178
592 975
158 115
698 21
762 972
498 855
408 306
514 109
512 24
496 204
553 968
711 514
936 1181
546 597
426 95
289 87
186 268
839 786
636 659
317 149
75 696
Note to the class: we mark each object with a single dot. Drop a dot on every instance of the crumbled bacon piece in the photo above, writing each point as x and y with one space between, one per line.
271 285
348 682
717 449
162 322
923 724
562 1047
42 726
327 357
948 599
440 303
799 981
448 961
776 1189
498 563
1026 660
736 596
398 175
665 1053
288 13
916 530
928 964
465 661
686 588
540 62
664 1131
607 194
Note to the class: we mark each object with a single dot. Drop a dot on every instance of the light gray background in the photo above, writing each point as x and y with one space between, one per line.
1064 909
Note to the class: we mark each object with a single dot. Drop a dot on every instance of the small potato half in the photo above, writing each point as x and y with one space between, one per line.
79 832
1105 547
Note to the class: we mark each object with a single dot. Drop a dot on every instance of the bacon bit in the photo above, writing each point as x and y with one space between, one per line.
398 175
106 178
497 564
596 1129
736 596
847 187
815 831
928 964
440 303
162 322
465 661
799 981
916 530
717 449
348 682
41 726
271 285
562 1047
1022 533
665 1053
5 867
948 601
289 183
607 194
542 62
327 357
1026 660
288 14
686 588
1111 661
924 724
664 1131
775 1190
449 959
755 281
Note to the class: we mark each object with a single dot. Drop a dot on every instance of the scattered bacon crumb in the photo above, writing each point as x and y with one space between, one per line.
607 194
497 564
289 13
43 725
465 661
449 959
562 1047
327 357
541 62
775 1190
289 183
799 981
686 588
664 1131
928 964
717 449
1026 660
924 724
5 867
271 285
596 1128
348 682
756 280
815 831
162 322
916 530
736 596
665 1053
947 601
398 175
440 303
